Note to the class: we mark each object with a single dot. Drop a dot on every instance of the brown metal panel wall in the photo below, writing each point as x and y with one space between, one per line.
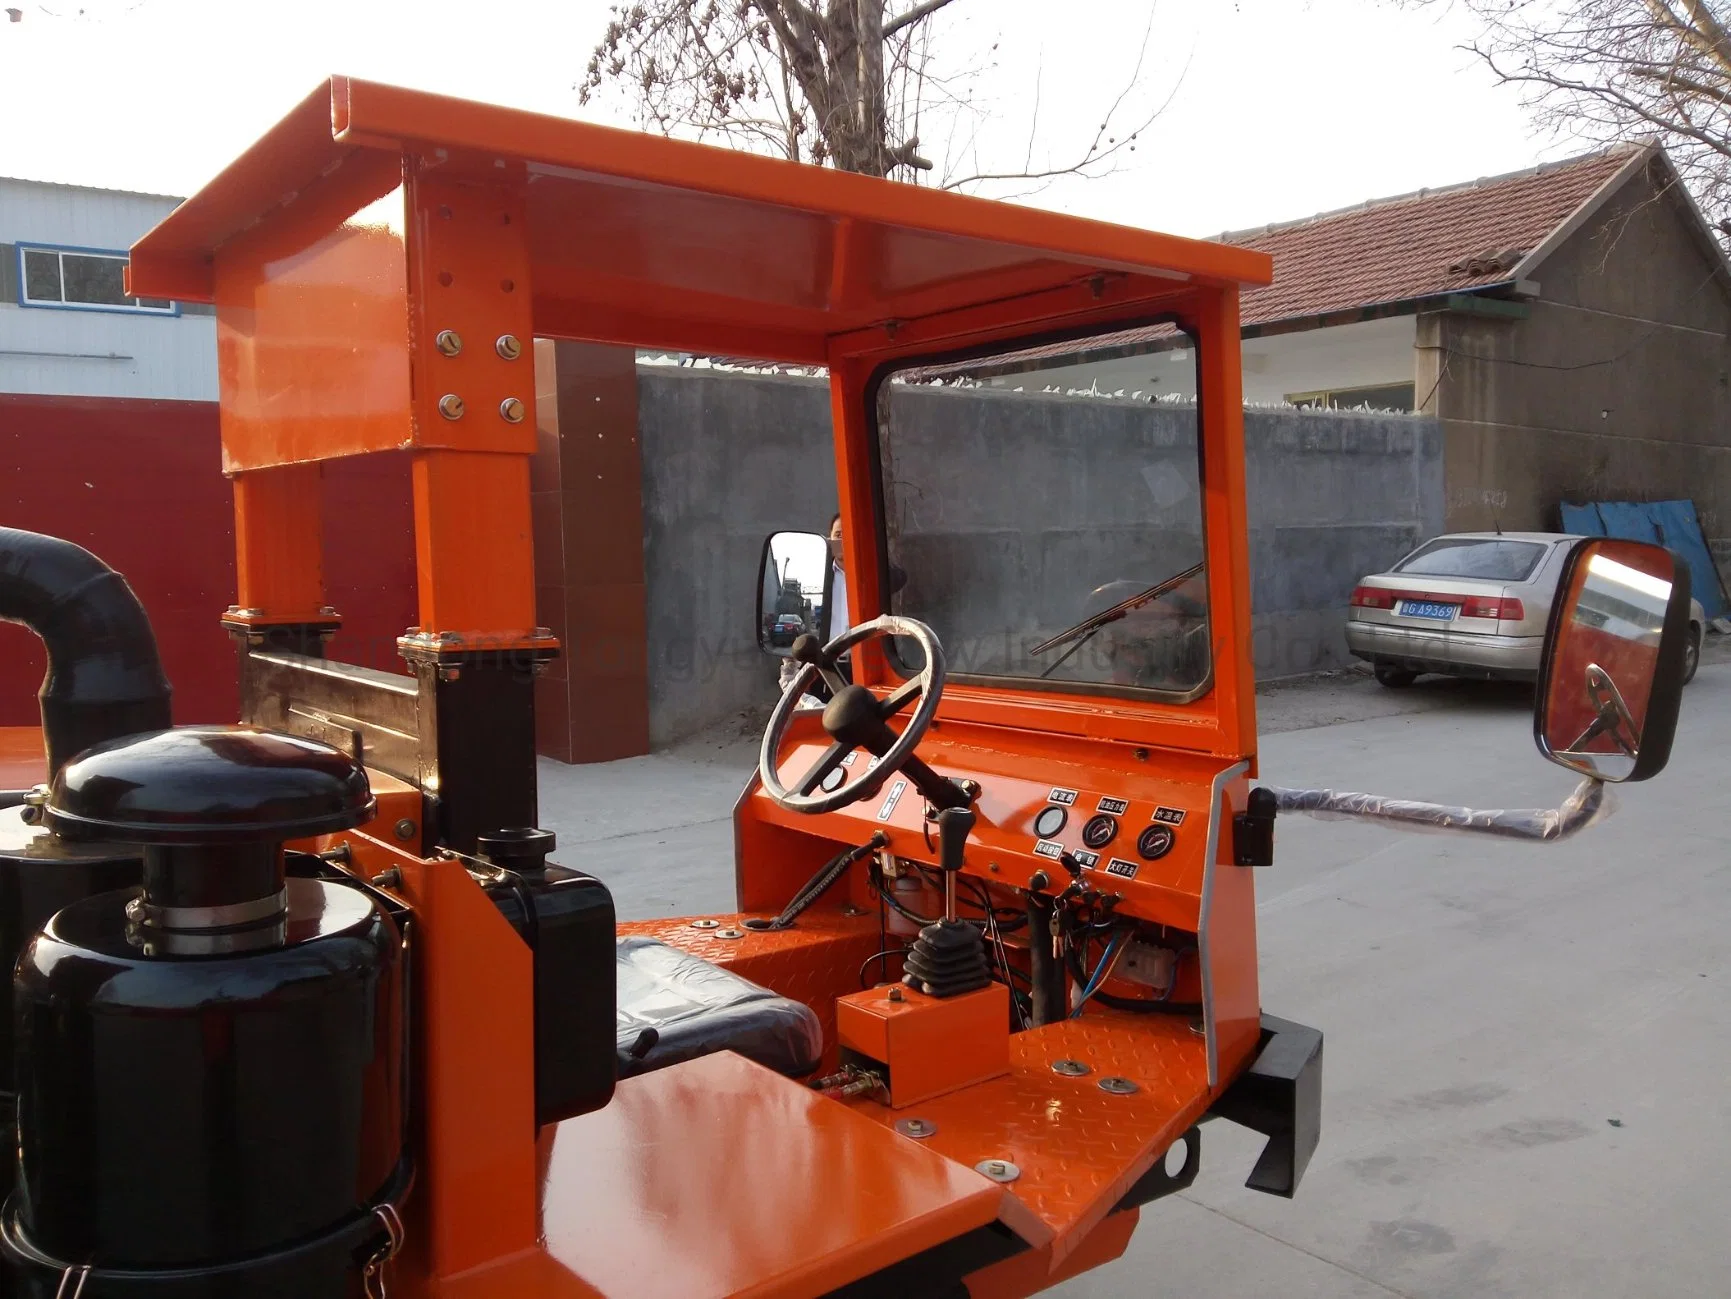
592 702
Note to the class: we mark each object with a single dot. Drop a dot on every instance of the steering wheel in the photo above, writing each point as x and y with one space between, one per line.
857 719
1613 718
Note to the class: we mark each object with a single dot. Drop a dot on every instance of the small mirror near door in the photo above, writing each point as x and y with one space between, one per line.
1611 679
791 586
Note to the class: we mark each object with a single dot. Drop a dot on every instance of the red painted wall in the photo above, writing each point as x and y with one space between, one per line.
138 484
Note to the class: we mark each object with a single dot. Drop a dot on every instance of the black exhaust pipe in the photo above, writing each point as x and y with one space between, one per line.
104 678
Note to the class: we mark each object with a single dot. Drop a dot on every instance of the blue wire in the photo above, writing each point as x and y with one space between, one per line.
1093 984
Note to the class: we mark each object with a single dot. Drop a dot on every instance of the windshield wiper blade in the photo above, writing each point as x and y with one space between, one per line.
1088 626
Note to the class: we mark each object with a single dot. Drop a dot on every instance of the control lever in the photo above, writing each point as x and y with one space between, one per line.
955 824
949 957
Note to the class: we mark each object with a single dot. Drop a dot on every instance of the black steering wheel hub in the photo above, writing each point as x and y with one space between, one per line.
857 719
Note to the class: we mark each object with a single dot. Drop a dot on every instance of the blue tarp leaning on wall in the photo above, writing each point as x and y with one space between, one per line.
1670 523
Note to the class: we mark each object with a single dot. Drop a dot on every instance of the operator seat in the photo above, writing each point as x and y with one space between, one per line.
673 1006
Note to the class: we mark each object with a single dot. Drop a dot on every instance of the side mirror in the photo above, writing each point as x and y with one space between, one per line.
1611 679
792 585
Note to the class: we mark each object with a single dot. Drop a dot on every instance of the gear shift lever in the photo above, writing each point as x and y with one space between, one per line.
955 824
950 956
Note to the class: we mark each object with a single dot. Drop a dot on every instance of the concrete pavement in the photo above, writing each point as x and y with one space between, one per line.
1528 1071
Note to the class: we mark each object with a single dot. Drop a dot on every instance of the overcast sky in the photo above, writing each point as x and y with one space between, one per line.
1275 109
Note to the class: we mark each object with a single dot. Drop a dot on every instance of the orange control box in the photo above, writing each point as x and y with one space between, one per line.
926 1046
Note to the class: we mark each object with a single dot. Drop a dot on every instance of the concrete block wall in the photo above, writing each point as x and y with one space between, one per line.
1333 495
727 459
730 457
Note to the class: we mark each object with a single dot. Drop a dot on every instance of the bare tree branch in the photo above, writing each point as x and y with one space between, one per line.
912 16
834 82
1100 149
1616 71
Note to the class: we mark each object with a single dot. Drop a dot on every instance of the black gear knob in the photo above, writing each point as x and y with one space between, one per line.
955 824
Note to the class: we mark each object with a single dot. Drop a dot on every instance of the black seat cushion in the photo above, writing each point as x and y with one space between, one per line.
674 1006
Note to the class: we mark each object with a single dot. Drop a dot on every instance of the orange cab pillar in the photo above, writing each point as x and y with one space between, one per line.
279 559
472 414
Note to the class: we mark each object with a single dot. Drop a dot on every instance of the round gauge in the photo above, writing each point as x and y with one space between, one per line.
1155 842
1100 831
835 780
1050 821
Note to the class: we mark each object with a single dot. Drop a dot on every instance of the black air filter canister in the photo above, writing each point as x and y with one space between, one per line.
39 874
210 1068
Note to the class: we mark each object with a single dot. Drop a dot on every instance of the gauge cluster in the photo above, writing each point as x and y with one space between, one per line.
1140 834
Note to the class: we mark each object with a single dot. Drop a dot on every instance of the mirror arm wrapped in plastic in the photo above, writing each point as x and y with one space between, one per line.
1589 803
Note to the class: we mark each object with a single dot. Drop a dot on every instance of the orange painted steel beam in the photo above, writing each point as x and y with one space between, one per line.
311 314
476 584
470 325
1220 399
279 545
476 1200
781 220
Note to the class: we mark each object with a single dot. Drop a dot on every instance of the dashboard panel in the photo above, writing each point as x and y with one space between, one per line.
1139 833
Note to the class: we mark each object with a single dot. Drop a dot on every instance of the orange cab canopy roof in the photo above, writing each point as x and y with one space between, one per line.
661 243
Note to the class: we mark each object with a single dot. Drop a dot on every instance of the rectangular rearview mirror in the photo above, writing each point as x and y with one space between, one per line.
1611 680
792 586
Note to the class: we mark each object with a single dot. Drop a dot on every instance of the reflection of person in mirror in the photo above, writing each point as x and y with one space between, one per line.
835 620
1162 645
836 610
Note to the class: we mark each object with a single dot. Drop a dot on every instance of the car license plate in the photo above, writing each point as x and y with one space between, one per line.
1429 609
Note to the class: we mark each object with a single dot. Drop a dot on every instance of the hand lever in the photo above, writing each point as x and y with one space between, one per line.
807 648
955 824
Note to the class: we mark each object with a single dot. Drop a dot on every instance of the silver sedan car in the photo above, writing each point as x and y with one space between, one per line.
1470 604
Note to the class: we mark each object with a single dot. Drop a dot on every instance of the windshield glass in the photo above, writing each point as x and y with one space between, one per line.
1027 493
1497 560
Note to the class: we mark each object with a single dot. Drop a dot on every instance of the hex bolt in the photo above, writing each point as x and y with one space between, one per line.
448 341
390 879
405 829
1116 1086
511 410
918 1129
999 1170
894 994
1070 1068
451 406
508 346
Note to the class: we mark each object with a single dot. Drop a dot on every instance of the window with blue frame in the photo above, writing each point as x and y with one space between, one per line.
80 279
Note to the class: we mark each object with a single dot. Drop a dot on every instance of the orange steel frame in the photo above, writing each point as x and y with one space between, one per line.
342 252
